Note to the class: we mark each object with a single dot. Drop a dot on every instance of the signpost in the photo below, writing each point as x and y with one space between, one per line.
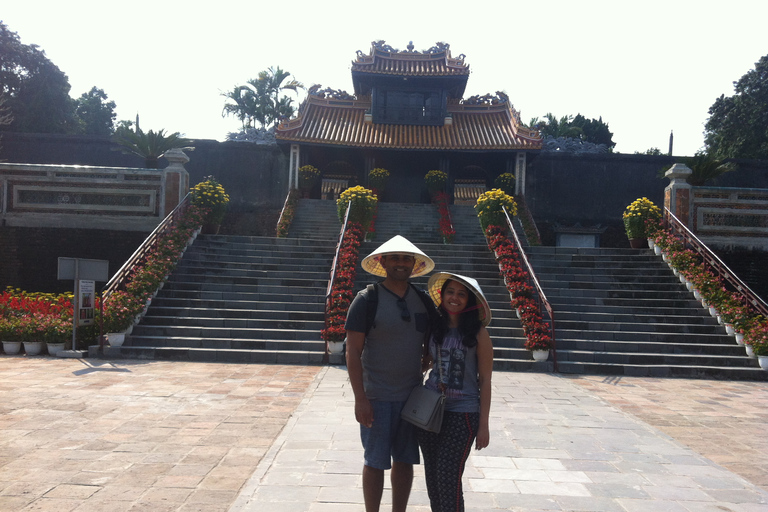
84 273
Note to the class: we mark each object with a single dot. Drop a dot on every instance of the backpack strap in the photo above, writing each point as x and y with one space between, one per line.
371 294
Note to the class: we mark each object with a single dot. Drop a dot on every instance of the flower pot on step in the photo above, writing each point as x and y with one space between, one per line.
116 339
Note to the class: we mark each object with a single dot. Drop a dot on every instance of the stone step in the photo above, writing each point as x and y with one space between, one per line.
648 347
662 371
185 353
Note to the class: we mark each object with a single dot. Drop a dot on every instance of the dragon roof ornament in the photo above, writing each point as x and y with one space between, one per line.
439 47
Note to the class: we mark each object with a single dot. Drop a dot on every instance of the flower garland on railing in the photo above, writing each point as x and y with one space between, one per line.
710 288
342 289
445 225
122 306
517 280
286 216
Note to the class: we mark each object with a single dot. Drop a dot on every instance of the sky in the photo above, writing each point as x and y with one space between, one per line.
646 68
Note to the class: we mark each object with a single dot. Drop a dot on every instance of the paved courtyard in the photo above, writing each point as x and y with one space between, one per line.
92 435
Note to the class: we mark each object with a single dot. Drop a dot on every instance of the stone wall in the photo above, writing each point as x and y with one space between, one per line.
43 246
253 174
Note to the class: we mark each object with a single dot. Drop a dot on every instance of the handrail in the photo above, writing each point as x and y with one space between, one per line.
335 263
542 296
710 259
332 277
282 212
117 279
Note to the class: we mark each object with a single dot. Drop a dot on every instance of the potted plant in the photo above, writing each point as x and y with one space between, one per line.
635 217
539 344
58 330
506 182
120 310
435 181
10 334
363 205
32 333
756 339
489 208
378 179
308 176
210 195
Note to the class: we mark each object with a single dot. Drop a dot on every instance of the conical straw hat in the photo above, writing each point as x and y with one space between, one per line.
398 245
435 285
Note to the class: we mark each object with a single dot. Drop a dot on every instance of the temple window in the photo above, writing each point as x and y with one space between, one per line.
407 106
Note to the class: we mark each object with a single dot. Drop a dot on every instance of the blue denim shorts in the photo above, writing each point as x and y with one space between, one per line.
389 438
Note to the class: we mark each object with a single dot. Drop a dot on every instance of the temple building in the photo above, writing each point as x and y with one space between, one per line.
407 115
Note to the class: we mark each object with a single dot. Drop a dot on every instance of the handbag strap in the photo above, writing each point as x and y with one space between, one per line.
440 369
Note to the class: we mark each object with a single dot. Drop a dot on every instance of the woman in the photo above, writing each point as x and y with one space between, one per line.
462 357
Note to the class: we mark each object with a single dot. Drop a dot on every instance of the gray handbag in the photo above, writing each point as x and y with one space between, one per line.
424 407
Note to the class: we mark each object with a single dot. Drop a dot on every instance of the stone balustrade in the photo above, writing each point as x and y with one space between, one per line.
87 197
725 217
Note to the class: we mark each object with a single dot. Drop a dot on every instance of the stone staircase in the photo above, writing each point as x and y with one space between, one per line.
317 219
239 299
261 300
623 312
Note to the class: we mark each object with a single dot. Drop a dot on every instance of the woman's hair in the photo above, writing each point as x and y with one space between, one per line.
469 321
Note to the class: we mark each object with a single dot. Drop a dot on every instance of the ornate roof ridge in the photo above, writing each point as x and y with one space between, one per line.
439 52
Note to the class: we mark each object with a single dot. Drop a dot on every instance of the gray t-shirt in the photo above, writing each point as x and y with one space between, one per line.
392 352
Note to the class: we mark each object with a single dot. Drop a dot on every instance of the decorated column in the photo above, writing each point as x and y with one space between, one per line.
677 195
176 180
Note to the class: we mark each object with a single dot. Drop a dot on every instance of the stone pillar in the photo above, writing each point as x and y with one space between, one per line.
678 194
176 180
293 167
520 165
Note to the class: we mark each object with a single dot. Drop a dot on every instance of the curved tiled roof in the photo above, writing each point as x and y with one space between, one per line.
384 60
474 127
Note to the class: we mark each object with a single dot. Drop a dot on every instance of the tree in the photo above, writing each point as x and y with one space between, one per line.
594 130
259 100
579 127
35 90
96 115
150 145
738 125
556 128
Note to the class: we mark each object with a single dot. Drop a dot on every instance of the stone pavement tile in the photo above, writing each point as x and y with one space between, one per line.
136 430
554 446
721 420
52 505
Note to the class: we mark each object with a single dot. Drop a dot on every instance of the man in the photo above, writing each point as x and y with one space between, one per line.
384 354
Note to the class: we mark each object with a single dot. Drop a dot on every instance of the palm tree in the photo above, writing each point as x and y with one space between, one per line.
150 145
706 167
259 99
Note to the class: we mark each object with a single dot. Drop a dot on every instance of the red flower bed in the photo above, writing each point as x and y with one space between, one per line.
517 280
446 227
342 290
